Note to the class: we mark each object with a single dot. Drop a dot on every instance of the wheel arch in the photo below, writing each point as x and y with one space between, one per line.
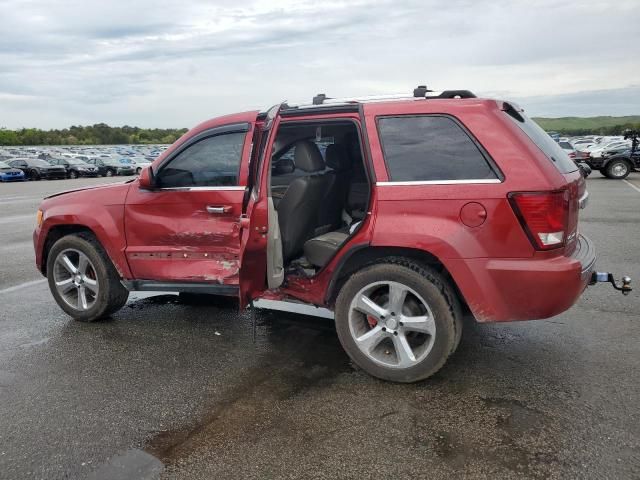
54 234
361 256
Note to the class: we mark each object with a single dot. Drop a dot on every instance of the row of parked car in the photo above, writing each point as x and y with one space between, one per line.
49 163
613 156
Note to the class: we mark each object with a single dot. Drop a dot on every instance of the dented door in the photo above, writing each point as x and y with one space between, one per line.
187 228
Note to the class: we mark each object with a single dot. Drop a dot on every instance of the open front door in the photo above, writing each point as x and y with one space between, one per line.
260 246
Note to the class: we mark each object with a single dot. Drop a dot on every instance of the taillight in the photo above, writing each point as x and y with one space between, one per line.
543 215
572 154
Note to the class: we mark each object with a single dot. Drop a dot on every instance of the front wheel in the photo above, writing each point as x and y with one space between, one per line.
73 174
617 169
109 173
82 279
398 320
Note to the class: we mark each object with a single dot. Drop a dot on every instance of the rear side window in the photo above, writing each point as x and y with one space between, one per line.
548 145
431 148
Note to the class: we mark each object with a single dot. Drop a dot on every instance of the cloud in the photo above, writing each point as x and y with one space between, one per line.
174 63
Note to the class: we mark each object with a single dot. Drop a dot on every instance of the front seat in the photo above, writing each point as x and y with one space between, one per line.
334 202
298 208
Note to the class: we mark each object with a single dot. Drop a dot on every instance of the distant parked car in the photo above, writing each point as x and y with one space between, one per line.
75 168
110 167
35 169
139 164
10 174
610 149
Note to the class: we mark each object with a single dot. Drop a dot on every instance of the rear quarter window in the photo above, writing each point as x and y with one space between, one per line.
543 141
431 148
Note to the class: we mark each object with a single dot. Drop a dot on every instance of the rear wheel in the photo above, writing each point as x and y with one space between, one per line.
617 169
82 279
398 320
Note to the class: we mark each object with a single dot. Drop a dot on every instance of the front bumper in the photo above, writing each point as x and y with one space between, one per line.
502 290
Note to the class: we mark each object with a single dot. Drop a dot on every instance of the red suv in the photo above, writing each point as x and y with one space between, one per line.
397 214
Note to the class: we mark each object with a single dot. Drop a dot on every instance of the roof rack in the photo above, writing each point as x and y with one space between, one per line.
421 92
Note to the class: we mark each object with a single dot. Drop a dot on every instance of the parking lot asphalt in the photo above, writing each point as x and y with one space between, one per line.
179 389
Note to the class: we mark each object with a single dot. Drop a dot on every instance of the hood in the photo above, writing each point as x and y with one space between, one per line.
10 170
103 187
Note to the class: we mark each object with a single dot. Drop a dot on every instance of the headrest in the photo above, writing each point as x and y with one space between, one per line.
307 157
338 157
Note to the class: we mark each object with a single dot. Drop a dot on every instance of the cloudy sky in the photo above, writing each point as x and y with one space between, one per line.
174 63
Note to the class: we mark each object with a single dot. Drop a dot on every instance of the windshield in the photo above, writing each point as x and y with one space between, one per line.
125 161
75 161
543 141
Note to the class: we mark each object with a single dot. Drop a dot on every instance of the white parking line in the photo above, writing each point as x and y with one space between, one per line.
637 189
22 285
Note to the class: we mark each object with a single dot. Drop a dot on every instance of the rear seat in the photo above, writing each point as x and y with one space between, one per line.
319 250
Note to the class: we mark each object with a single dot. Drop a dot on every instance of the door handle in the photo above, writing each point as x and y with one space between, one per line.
218 209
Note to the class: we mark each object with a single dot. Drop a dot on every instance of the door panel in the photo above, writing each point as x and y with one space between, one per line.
259 226
171 235
186 228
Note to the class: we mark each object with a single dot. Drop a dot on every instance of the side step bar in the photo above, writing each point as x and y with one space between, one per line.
188 287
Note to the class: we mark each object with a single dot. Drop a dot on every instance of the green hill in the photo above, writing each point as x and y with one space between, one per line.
589 125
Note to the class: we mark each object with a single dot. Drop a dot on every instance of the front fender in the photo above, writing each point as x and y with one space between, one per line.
99 210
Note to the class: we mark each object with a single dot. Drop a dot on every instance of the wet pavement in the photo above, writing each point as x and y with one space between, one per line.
174 387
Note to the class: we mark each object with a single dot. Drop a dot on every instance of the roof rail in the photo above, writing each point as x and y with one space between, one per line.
420 92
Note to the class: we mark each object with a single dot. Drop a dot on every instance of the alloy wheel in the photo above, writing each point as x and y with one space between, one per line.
75 279
391 324
619 169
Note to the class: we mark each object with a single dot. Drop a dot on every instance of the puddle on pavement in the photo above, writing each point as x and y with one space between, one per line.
296 354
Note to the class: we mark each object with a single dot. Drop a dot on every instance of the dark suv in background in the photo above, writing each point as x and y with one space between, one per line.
75 168
111 167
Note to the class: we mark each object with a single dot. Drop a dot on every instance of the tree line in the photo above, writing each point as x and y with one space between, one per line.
98 134
590 125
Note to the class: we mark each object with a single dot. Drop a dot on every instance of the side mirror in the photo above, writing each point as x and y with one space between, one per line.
284 166
146 179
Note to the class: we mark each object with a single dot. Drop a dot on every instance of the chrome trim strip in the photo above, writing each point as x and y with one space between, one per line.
584 200
440 182
294 307
203 189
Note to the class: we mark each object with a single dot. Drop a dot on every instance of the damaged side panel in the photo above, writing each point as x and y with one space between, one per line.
175 236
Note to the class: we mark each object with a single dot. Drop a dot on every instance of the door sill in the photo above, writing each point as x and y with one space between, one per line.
187 287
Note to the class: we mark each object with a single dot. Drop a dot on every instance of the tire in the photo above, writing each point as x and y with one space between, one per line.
138 170
34 175
617 169
73 174
428 296
109 173
99 274
603 172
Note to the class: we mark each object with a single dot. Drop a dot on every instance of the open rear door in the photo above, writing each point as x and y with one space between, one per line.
260 246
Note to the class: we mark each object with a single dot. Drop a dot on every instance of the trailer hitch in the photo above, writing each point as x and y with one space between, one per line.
625 288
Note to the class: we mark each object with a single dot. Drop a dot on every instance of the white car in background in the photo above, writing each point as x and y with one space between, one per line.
139 163
609 148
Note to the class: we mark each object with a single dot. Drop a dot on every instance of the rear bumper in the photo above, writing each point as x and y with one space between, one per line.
502 290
